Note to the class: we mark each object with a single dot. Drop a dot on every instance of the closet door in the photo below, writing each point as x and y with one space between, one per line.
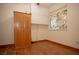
22 30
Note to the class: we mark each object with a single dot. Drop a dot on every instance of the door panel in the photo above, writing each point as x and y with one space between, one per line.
22 30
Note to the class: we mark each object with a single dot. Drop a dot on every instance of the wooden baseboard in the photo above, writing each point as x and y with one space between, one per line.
55 43
39 41
63 45
9 45
5 46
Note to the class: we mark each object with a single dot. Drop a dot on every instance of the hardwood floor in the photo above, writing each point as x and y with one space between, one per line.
44 47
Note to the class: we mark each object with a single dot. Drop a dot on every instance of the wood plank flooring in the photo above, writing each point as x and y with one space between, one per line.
40 48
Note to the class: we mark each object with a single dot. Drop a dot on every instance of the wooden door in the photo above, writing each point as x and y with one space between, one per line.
22 30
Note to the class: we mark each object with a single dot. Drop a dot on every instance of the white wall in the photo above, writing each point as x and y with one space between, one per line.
39 32
6 19
40 15
40 21
71 36
0 30
6 11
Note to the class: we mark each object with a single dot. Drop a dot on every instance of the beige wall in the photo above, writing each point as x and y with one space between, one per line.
71 36
39 14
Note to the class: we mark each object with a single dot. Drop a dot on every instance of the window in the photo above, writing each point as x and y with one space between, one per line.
58 20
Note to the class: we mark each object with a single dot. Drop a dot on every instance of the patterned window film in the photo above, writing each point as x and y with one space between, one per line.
58 20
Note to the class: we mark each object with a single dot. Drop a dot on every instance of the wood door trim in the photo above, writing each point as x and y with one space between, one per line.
22 12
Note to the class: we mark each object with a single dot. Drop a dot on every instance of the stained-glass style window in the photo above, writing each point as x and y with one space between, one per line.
58 20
